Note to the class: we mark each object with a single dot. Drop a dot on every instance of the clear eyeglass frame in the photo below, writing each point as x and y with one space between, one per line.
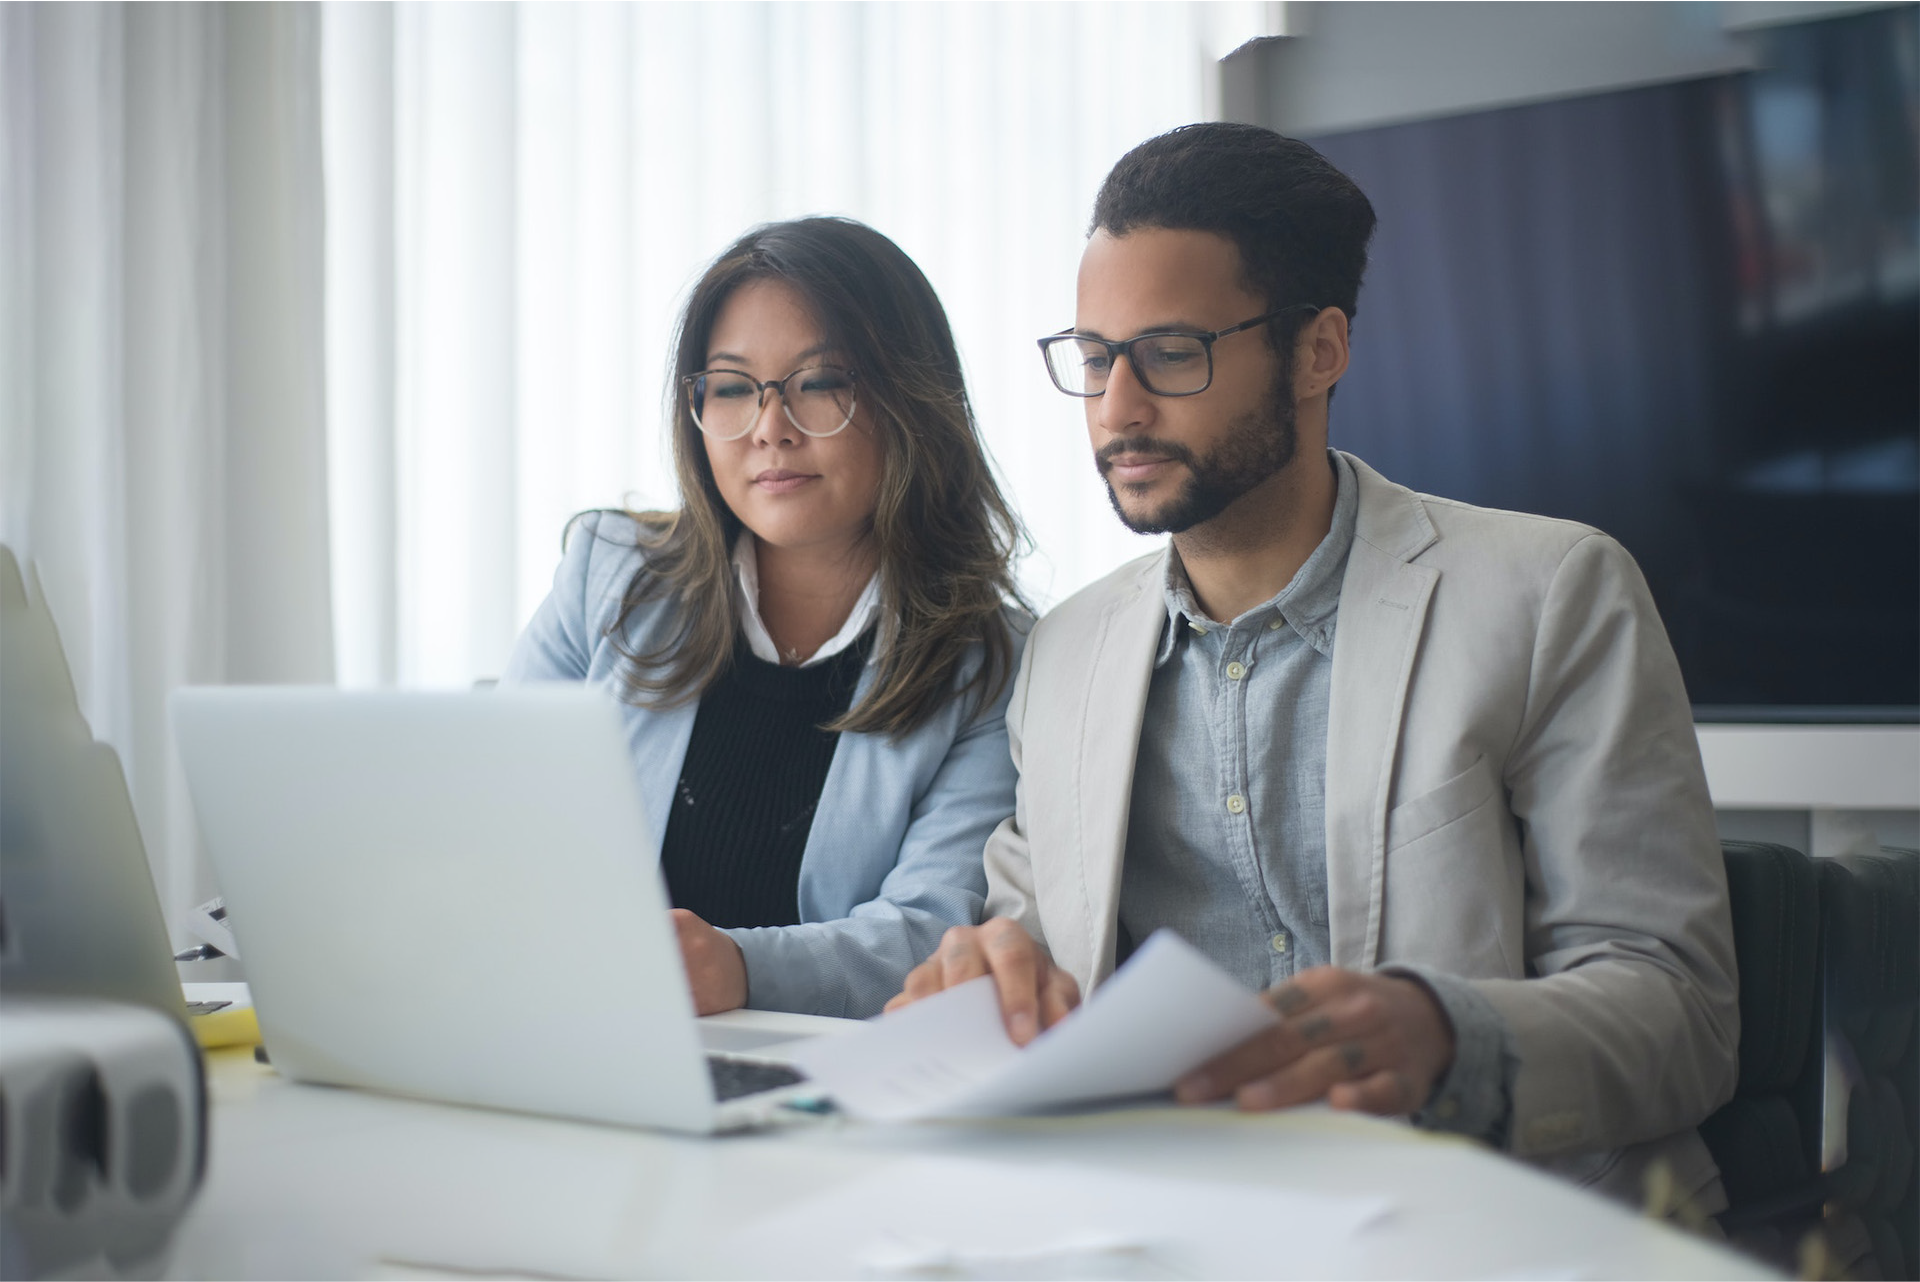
1066 354
696 386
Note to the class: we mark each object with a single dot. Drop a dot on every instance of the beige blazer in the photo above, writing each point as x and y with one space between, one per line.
1514 795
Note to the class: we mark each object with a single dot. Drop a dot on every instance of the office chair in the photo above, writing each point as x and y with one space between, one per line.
1870 914
1766 1140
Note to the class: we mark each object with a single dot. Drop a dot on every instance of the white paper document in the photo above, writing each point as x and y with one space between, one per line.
961 1218
1166 1012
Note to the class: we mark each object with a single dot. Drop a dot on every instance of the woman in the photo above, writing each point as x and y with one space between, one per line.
814 653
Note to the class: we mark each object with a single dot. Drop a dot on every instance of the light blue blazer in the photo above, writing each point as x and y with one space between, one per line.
894 856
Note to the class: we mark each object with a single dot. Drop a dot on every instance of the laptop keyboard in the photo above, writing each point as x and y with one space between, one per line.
734 1078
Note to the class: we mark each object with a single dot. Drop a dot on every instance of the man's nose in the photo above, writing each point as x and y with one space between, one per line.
1126 405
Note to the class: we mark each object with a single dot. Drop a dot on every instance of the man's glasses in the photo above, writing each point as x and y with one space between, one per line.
1169 363
819 400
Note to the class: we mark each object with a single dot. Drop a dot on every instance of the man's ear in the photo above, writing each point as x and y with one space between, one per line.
1320 354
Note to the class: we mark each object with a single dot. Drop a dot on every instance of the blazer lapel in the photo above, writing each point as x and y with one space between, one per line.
1383 609
1120 670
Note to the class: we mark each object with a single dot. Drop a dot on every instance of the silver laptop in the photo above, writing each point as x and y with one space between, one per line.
81 917
456 897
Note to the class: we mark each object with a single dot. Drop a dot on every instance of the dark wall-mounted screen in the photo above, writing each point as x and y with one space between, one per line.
1690 315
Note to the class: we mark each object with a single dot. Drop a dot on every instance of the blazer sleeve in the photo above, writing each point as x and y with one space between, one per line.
557 644
850 966
1627 1026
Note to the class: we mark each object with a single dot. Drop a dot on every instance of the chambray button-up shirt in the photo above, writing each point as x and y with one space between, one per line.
1227 838
1227 832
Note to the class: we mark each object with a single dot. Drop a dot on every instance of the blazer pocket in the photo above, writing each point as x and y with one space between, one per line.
1436 808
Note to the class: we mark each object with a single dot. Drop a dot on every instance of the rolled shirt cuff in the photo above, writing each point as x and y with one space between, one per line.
1474 1097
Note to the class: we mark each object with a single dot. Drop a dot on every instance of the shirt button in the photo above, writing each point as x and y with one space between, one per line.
1279 943
1196 627
1236 804
1236 670
1277 624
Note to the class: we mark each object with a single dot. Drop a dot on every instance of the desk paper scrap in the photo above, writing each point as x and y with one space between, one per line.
1166 1012
964 1218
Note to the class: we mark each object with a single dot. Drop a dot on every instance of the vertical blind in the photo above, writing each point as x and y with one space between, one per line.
162 426
519 197
317 322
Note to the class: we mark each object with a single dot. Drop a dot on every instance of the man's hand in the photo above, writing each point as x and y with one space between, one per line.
1374 1043
716 971
1034 993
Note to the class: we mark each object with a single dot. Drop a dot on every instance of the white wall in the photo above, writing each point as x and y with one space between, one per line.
1352 65
1828 790
1358 65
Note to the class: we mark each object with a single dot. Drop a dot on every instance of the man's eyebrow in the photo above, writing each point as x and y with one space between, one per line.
817 349
1158 327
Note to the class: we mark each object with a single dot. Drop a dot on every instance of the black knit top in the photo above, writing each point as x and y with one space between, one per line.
753 773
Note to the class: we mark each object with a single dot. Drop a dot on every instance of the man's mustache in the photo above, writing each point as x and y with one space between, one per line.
1103 457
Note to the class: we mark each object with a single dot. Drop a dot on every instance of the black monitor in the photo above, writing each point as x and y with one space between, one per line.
1688 314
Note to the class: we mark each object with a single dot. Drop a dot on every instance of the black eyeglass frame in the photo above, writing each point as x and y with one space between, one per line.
760 404
1125 348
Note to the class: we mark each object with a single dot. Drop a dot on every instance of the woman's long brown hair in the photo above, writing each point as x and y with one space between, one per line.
944 534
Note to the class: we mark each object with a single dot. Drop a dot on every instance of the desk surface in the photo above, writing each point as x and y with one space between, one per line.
309 1181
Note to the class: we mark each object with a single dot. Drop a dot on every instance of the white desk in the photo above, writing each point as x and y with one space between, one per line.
314 1182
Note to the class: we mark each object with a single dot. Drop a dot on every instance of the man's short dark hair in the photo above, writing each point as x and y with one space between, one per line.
1301 225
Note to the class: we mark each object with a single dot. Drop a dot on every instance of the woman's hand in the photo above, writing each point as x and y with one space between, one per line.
716 971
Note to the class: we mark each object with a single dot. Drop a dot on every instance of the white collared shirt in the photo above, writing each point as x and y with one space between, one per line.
746 567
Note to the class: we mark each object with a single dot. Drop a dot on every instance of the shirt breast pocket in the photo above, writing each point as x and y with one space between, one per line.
1434 809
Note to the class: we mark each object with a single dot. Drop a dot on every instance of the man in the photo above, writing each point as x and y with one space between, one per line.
1424 772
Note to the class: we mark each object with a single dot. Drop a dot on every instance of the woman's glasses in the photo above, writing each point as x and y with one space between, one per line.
819 400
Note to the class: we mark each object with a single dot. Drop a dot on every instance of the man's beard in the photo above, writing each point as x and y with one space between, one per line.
1256 446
